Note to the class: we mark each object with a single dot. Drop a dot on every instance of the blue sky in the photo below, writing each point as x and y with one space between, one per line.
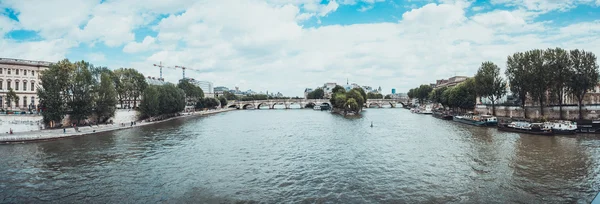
289 45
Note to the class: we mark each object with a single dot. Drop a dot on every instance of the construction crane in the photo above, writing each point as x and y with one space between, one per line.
176 67
161 68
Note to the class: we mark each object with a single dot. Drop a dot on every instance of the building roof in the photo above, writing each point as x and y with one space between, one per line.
24 62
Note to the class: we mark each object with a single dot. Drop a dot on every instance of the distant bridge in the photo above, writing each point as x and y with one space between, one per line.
380 103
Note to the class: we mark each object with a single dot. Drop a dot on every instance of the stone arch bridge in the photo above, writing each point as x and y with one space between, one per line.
287 103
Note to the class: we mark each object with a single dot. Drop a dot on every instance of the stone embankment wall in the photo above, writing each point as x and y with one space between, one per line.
569 112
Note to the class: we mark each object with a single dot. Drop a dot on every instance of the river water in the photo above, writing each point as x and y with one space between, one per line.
290 156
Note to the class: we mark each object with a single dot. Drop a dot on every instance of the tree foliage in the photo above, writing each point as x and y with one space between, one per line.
230 96
490 83
388 96
107 98
585 75
10 97
372 95
351 101
80 88
518 77
558 63
223 101
162 100
129 85
316 94
190 90
210 103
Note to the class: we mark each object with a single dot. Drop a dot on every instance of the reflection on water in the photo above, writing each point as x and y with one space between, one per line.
291 156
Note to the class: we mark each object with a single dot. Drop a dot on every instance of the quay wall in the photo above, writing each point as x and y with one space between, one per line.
533 112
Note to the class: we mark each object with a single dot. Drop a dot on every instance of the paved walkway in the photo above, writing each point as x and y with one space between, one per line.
86 130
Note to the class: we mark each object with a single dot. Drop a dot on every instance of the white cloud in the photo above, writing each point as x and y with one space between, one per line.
47 50
366 8
477 8
543 5
95 57
7 25
52 18
261 45
146 45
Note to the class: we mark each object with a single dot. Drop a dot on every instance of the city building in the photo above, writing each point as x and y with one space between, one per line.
22 76
328 89
452 81
220 89
306 91
206 86
155 81
393 91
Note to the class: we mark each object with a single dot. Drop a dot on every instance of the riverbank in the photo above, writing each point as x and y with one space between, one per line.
88 130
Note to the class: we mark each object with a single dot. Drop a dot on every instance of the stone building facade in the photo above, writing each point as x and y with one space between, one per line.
23 77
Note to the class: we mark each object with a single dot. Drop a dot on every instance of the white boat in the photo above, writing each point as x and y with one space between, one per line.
426 110
317 108
562 127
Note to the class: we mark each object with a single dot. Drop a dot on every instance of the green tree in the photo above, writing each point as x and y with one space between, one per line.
122 84
388 96
107 98
129 85
54 93
209 103
372 95
352 105
223 101
230 96
489 83
150 105
171 99
363 94
337 89
138 85
81 91
192 92
411 93
436 95
559 64
356 94
518 77
316 94
538 75
10 97
585 75
338 100
423 92
445 97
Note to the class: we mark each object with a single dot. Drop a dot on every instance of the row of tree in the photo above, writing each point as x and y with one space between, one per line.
162 100
78 89
351 101
544 76
547 76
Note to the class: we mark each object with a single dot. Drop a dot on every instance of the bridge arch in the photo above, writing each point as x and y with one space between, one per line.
233 106
309 104
262 105
246 106
375 104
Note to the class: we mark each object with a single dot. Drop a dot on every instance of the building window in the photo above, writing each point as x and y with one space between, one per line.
24 72
8 72
1 82
32 102
32 72
24 86
16 71
16 85
1 104
8 84
24 101
1 70
32 85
